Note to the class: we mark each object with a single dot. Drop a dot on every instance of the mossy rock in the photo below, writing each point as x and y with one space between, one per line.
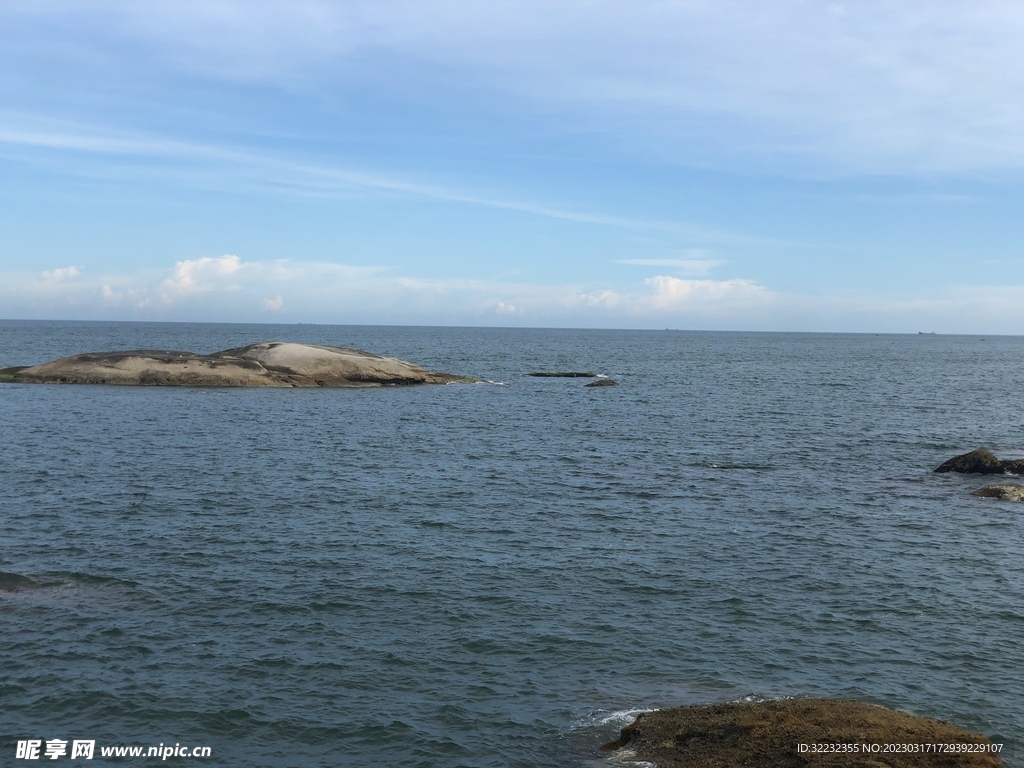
784 734
1004 491
980 462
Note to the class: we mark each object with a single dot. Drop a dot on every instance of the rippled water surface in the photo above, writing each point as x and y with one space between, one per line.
486 574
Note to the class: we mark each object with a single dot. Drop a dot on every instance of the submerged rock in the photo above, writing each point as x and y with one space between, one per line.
564 374
12 582
769 734
603 383
267 364
977 462
1005 491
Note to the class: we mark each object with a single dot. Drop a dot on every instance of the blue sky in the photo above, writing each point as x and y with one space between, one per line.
777 165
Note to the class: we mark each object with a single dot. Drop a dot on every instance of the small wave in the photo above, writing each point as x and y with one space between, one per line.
757 698
619 717
89 579
58 582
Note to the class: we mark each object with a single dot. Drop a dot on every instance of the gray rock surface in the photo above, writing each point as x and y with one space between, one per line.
603 383
266 364
1005 491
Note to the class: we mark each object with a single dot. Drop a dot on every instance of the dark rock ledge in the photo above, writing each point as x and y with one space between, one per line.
564 374
768 734
266 364
982 462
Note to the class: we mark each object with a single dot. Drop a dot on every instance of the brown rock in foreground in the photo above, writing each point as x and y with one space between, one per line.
769 734
267 364
602 383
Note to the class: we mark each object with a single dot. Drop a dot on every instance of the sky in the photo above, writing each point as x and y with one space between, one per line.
786 165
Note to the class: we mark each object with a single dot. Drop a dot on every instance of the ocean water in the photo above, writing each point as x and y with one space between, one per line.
496 574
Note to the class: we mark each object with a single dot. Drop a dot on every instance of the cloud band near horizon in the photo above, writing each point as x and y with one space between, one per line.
324 292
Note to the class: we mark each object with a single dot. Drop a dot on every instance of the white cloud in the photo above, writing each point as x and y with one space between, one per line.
502 308
131 297
61 273
606 299
230 289
673 293
201 275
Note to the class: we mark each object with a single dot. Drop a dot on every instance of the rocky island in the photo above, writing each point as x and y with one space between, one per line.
266 364
784 734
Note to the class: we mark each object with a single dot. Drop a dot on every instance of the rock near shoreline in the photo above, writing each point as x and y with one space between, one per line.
266 364
982 462
770 734
1004 491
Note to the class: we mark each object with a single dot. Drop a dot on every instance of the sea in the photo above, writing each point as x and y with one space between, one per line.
502 573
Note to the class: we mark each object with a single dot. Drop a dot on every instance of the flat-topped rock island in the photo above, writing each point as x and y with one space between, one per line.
266 364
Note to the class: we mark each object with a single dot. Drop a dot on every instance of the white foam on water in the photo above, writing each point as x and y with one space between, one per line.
626 757
756 698
620 758
621 717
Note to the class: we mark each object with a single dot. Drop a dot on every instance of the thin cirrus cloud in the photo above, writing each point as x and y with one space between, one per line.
866 87
685 266
246 170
